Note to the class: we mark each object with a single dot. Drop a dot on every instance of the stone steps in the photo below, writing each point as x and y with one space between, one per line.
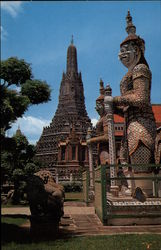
91 225
79 220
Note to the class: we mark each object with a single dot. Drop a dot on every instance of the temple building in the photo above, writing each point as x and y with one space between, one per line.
62 146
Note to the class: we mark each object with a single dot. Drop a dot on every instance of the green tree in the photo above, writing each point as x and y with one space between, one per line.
19 90
7 166
18 164
15 73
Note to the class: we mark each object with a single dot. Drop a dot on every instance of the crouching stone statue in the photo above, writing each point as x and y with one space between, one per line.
46 200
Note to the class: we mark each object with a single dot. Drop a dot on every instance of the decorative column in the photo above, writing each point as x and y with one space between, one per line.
108 104
91 172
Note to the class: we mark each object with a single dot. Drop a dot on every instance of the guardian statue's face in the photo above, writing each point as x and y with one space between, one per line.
100 108
129 54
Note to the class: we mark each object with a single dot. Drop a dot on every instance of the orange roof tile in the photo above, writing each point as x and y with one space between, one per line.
156 110
118 119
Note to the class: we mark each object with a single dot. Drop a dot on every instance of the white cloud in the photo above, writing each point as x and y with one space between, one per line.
30 126
94 121
12 7
32 141
4 33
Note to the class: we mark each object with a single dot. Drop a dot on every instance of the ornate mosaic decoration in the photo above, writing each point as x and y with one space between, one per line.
134 103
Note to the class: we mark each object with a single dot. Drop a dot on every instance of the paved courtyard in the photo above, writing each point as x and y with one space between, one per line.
80 219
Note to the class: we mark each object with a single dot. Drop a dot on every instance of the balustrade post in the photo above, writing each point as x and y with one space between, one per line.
108 103
91 171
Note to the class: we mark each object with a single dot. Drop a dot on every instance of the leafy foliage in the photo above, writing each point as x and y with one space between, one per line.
18 90
74 186
15 71
31 168
13 106
14 102
17 164
37 91
6 165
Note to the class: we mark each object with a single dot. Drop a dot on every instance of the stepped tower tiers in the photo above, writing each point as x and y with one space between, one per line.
62 146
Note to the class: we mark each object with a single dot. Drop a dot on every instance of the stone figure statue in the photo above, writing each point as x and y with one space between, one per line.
45 197
134 102
101 138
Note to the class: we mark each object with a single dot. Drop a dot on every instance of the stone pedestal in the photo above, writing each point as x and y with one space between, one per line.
131 183
145 185
114 190
122 211
91 194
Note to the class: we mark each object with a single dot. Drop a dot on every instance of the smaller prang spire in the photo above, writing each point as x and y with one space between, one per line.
72 58
130 29
18 131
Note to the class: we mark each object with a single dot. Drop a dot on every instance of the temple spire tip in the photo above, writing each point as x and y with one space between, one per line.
72 40
72 58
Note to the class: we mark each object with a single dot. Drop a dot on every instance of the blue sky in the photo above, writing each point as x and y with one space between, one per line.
40 32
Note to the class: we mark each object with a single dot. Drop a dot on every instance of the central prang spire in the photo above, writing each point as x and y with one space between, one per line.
72 59
60 147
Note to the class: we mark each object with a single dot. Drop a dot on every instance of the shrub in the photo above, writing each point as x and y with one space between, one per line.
72 186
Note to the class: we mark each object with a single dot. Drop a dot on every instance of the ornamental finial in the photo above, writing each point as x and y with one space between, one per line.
72 40
101 87
131 29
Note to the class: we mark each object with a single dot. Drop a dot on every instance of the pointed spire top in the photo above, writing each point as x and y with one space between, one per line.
72 58
130 29
72 40
101 87
18 131
102 91
101 82
128 17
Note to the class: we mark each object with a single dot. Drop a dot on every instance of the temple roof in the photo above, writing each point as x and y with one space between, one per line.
157 114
